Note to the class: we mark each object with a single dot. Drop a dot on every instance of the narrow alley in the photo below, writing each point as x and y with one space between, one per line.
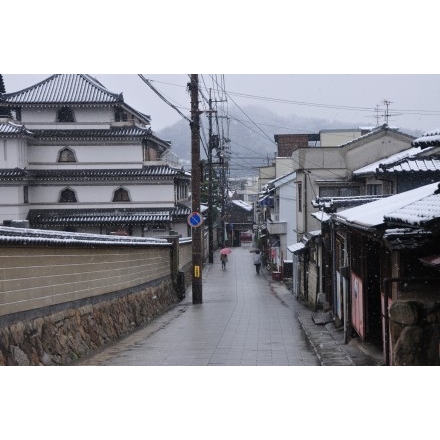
245 320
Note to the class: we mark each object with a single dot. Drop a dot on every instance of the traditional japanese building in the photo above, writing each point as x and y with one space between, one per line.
75 157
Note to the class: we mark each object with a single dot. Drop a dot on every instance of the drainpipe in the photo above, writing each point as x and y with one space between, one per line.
305 202
333 248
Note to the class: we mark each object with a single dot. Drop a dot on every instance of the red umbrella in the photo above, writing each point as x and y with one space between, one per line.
225 251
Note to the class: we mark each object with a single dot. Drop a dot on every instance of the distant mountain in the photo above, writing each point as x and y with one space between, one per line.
251 134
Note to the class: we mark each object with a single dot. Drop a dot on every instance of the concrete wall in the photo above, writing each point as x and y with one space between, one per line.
34 277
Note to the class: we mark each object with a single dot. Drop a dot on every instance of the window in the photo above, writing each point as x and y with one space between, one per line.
150 154
339 191
66 155
120 115
68 196
299 189
121 195
25 194
16 113
374 189
65 114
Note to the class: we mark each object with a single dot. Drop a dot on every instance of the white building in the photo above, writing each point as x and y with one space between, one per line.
74 156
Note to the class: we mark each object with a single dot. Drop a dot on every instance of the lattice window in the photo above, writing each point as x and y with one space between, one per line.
66 155
68 196
121 195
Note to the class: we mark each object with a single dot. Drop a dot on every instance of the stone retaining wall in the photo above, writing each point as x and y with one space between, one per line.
415 333
63 337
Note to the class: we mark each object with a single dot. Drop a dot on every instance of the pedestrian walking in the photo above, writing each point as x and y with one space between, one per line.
224 252
257 261
224 260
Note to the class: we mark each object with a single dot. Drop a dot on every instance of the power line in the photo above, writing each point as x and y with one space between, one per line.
419 112
146 81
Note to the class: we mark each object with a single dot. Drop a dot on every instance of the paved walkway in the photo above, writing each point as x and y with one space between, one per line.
245 319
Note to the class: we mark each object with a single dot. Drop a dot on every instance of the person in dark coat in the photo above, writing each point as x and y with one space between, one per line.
257 261
224 260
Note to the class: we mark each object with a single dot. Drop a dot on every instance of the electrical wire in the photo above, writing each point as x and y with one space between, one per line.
146 81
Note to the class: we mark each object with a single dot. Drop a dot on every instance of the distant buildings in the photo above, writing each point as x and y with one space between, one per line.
365 217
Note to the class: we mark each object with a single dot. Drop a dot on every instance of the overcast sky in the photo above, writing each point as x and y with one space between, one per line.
414 99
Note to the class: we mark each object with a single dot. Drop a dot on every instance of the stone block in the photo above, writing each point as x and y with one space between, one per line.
405 313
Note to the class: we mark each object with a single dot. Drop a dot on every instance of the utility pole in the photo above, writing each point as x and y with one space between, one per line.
214 144
195 190
210 198
224 162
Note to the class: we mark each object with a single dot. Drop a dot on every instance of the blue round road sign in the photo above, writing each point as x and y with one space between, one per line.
195 219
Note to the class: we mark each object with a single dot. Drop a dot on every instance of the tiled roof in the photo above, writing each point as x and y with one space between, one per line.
64 89
412 165
90 134
24 236
102 174
371 168
13 174
181 211
374 214
146 173
333 203
417 213
407 238
11 130
97 217
429 139
242 205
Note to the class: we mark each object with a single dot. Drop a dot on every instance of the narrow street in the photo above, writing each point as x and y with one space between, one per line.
244 320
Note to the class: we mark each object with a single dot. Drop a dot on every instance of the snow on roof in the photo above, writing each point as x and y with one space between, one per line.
297 247
242 205
275 183
11 128
63 89
412 165
326 203
46 237
417 213
369 169
321 216
372 214
316 233
430 138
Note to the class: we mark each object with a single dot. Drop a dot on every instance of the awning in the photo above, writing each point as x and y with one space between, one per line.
295 248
